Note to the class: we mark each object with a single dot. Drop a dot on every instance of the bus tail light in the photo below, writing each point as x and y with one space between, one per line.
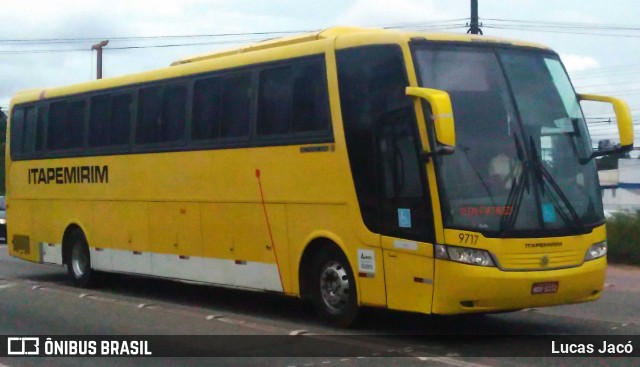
464 255
596 251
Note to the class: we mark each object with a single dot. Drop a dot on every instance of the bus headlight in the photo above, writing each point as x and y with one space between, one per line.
3 221
596 250
464 255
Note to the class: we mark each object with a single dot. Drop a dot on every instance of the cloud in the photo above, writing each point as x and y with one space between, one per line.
578 62
383 12
33 19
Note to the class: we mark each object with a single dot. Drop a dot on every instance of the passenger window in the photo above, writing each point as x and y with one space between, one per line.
236 106
174 113
27 129
109 120
310 105
99 134
30 130
274 113
207 97
293 99
121 107
149 112
66 125
162 114
221 107
17 130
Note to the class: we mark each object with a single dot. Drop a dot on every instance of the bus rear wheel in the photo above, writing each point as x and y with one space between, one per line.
333 289
79 261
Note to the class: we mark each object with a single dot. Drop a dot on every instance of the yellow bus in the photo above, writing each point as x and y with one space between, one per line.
431 173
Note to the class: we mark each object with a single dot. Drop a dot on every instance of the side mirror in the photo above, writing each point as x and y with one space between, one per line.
442 111
625 123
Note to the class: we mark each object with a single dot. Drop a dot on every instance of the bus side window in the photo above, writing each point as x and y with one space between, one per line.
149 113
207 99
293 99
109 120
274 111
29 137
221 107
310 106
17 130
236 106
40 126
174 113
99 115
121 108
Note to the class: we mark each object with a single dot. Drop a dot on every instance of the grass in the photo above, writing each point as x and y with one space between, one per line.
623 238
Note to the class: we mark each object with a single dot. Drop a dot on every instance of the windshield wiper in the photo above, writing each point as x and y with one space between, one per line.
516 194
543 173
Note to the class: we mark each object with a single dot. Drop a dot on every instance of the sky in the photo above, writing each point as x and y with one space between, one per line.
47 43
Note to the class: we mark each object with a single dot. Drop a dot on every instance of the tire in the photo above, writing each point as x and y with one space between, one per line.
79 261
333 289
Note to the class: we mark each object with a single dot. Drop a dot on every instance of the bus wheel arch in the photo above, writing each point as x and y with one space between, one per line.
327 278
77 257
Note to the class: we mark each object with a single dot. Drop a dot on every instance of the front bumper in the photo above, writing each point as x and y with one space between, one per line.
461 288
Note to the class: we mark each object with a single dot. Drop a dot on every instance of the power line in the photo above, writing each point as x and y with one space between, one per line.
435 25
18 52
31 41
567 24
605 74
619 91
538 29
608 84
423 24
142 38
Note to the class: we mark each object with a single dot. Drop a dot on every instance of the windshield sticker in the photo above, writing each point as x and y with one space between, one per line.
548 213
404 218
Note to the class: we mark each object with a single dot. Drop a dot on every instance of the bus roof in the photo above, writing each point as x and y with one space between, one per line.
346 31
190 65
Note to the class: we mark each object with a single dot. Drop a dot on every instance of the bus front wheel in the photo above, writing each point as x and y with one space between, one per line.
79 260
333 292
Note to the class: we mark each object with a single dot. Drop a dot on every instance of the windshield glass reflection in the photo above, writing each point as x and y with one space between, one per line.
520 162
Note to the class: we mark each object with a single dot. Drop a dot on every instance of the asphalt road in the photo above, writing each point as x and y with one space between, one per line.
38 300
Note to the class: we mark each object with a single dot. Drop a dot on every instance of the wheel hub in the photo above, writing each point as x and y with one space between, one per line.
334 286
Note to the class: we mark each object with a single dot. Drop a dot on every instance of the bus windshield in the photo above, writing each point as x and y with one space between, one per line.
521 160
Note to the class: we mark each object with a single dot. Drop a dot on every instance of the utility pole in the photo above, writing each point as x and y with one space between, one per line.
98 47
475 23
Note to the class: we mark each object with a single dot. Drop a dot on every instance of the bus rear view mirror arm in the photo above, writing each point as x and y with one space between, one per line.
625 123
442 116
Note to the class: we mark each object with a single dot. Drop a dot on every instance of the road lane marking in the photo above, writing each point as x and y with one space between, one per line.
5 286
450 361
298 332
231 321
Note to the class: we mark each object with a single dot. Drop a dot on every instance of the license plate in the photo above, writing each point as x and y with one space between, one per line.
547 287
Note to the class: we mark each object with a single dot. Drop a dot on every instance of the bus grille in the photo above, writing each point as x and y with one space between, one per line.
21 244
540 261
